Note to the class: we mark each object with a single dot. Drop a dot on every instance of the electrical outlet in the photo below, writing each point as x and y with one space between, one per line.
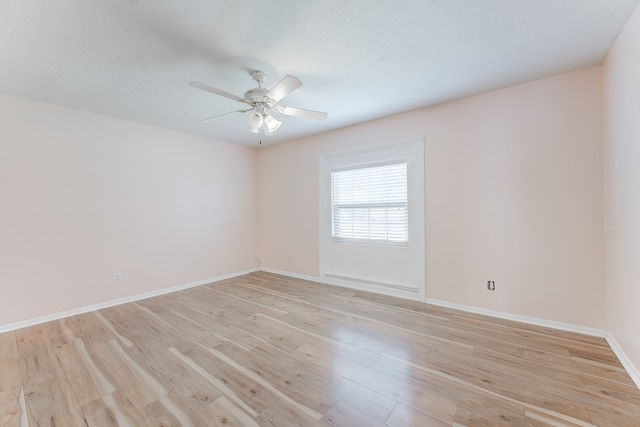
117 277
491 285
291 257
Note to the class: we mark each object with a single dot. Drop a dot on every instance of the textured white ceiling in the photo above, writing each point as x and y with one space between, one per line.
358 59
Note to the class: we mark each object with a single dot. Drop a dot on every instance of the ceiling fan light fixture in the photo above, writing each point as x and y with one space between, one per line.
252 128
271 124
254 120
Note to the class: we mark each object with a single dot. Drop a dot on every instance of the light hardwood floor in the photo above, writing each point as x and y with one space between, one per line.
266 350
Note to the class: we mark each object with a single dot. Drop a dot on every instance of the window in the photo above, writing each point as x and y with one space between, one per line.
369 204
371 230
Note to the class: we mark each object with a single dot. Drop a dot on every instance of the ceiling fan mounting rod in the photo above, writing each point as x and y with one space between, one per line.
259 77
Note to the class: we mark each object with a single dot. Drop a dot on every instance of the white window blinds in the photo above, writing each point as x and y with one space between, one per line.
369 204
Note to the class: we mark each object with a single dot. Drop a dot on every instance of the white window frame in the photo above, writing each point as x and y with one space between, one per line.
391 270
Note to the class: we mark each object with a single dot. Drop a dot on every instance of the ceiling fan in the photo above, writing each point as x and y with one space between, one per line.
262 103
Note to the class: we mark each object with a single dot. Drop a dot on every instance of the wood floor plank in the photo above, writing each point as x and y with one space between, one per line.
400 389
48 397
175 375
561 342
333 326
287 386
38 364
13 408
52 403
337 387
580 367
261 296
223 413
238 388
307 335
601 355
112 328
86 381
597 392
142 376
534 418
87 327
188 328
287 417
520 385
217 322
268 350
112 410
403 416
605 418
169 412
160 332
342 415
57 332
9 362
252 305
473 398
489 415
124 376
122 318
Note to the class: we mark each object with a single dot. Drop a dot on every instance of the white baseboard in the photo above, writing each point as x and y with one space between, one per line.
633 372
523 319
76 311
294 275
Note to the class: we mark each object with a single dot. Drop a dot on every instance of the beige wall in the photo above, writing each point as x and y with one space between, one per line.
84 196
513 194
513 189
621 77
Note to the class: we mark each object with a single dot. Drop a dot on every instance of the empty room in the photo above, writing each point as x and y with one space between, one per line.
337 213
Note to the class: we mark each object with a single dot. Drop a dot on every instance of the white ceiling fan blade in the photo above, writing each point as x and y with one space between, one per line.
301 112
217 91
284 87
224 114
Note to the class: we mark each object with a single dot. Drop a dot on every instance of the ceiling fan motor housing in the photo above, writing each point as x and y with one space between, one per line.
256 95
